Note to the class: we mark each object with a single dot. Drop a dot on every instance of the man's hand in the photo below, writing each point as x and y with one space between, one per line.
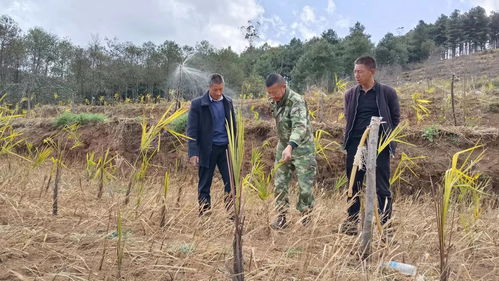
286 153
194 161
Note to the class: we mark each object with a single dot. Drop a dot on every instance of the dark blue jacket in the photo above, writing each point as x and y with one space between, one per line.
388 106
200 126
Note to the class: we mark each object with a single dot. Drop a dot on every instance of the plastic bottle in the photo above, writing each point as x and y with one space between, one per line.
404 268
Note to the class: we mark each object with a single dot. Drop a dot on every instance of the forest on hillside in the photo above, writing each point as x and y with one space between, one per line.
38 66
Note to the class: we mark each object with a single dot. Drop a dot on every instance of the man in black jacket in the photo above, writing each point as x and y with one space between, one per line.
369 98
207 149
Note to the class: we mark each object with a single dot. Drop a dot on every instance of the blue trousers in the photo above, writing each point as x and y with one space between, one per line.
218 159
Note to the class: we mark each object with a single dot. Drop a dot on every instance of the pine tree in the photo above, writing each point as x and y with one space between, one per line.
420 43
317 66
391 50
494 29
476 28
440 34
454 37
356 44
9 34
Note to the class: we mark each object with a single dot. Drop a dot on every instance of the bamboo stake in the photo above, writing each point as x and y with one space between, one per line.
355 166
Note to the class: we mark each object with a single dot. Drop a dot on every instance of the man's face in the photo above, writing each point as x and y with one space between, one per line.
216 90
276 91
363 75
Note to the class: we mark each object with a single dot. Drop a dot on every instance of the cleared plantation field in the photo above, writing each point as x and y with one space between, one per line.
158 235
71 246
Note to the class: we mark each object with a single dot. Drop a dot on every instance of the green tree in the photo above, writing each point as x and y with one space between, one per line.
253 86
356 44
9 33
271 60
391 50
228 64
170 55
63 54
476 29
249 59
151 69
98 59
494 29
40 50
317 66
454 31
80 69
204 56
17 56
40 56
439 35
330 36
290 56
420 43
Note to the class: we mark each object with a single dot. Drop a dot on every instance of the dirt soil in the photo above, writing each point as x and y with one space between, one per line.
122 136
81 242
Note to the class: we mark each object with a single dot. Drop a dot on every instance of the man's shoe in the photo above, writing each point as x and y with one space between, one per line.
349 227
280 222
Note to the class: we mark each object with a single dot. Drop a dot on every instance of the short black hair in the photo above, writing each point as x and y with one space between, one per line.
216 78
274 78
368 61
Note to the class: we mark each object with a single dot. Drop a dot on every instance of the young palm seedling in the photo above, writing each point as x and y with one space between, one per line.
261 183
149 145
235 155
420 106
406 163
321 146
37 157
166 184
9 137
396 135
101 169
460 176
61 142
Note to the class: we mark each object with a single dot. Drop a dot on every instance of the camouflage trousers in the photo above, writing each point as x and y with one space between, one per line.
304 163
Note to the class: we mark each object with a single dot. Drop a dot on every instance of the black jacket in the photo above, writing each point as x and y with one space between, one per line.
388 106
200 126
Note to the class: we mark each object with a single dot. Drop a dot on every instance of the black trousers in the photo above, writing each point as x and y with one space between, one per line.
218 159
382 183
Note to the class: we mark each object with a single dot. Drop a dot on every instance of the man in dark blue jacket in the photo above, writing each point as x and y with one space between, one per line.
369 98
207 149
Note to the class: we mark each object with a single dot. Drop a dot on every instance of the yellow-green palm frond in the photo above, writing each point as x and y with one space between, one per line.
406 163
153 132
236 153
42 155
396 135
461 175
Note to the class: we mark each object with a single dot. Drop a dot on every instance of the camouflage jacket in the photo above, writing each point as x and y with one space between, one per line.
292 119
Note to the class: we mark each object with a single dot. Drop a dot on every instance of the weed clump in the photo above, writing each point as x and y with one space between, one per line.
68 118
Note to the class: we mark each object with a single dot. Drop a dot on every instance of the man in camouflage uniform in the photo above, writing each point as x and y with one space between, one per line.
295 148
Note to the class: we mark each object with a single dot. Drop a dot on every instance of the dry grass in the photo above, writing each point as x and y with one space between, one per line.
37 246
34 245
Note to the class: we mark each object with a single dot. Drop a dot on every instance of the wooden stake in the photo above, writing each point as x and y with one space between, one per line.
370 196
452 98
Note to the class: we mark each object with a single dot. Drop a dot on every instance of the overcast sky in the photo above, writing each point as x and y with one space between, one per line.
219 21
